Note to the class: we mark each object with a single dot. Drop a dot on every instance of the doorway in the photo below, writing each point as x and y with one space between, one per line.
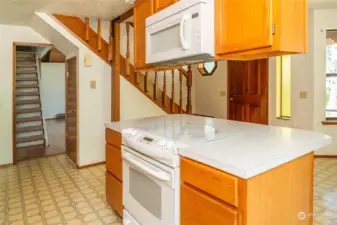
71 108
248 91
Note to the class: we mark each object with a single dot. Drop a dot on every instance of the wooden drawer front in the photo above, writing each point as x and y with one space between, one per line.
114 193
214 182
199 209
114 161
113 138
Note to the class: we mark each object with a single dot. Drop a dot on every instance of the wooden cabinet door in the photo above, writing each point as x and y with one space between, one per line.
141 11
242 25
198 208
162 4
114 193
248 91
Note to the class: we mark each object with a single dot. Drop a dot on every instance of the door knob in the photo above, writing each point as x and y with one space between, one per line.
231 99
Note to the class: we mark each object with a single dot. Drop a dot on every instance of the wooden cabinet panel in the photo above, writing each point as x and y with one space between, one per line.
198 208
210 180
162 4
114 193
242 25
114 161
141 11
113 138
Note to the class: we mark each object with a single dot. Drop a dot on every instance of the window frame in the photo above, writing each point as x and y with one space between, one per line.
332 110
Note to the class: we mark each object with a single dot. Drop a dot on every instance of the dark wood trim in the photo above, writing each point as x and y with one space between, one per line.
14 104
115 79
325 156
33 44
329 122
90 165
126 15
55 119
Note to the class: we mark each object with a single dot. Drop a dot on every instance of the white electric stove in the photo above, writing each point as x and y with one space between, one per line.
151 165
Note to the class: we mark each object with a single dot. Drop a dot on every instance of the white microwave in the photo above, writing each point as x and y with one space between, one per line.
182 33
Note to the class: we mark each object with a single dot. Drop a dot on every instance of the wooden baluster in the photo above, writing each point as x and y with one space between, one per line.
172 99
111 43
145 82
87 29
99 35
164 91
127 62
137 77
189 90
155 86
181 92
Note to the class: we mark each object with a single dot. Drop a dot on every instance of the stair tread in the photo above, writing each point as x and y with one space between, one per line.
27 93
23 102
26 65
30 139
28 110
25 59
29 129
26 78
27 86
25 52
26 72
29 119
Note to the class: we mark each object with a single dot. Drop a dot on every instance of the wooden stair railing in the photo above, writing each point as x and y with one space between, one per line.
105 51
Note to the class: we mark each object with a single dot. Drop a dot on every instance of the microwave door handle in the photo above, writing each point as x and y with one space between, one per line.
184 43
153 172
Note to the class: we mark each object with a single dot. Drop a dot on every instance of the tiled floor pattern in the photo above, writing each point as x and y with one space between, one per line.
51 190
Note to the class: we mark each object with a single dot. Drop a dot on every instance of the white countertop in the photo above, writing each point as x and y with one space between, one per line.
242 149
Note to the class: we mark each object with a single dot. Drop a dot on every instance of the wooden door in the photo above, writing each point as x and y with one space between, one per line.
242 25
248 91
162 4
71 108
141 11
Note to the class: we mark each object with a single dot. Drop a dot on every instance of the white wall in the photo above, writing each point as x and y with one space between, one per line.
8 35
52 90
94 108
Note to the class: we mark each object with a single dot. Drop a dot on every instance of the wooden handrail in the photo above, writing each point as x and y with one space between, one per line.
87 29
99 35
172 94
164 91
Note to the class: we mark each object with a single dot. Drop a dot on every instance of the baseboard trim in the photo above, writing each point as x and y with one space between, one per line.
326 156
90 165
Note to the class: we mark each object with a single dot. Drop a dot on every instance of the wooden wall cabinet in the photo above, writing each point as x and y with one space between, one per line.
162 4
212 197
246 30
113 158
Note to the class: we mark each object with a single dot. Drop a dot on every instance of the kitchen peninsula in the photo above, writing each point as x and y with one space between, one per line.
231 173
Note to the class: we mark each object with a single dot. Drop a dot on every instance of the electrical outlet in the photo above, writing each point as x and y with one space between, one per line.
222 93
93 84
303 95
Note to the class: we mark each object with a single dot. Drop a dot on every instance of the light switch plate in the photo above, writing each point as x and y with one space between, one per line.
93 84
87 60
303 95
222 93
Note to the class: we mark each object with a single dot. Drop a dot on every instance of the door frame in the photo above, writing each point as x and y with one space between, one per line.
66 106
266 90
15 44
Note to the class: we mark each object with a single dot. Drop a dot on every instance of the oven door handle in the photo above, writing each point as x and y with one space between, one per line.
149 169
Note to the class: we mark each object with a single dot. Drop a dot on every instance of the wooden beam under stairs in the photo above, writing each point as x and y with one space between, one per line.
29 129
26 93
29 119
29 139
29 110
27 102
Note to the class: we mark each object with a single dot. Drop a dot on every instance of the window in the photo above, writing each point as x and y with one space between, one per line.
331 75
283 89
207 68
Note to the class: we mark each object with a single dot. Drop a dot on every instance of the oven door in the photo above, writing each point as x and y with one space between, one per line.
148 193
177 36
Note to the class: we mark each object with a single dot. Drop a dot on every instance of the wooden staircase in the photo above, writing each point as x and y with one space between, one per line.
29 132
170 99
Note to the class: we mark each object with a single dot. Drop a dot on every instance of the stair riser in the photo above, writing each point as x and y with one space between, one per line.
25 115
28 106
27 97
28 75
20 90
28 134
27 144
26 82
27 124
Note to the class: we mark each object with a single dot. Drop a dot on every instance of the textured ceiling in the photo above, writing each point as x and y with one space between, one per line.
19 12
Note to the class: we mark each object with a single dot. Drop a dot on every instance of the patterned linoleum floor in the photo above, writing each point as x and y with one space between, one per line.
51 190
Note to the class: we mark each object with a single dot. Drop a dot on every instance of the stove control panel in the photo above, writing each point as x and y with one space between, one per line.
149 144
